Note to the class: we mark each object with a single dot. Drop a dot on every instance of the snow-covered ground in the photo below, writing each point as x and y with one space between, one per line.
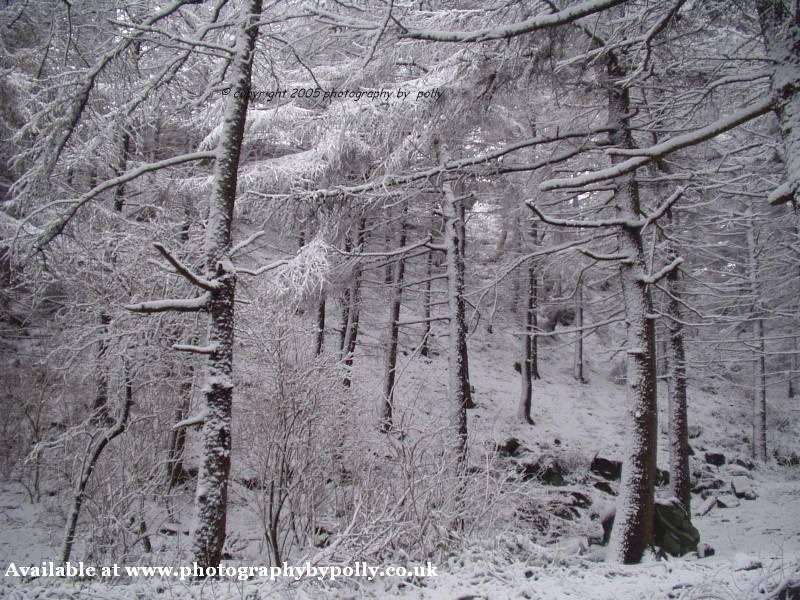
756 542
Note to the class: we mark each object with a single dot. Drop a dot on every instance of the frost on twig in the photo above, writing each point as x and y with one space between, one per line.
185 271
305 273
172 305
197 419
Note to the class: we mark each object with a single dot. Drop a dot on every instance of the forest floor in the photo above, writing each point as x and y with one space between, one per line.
756 541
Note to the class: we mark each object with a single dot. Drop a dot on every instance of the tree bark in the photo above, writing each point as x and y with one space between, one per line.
526 372
319 342
97 444
393 331
457 408
462 249
354 309
781 33
211 499
759 446
633 525
680 479
427 296
577 367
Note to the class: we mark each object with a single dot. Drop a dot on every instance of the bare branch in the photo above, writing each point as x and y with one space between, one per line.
262 270
642 156
244 243
57 227
567 15
210 349
182 269
197 419
176 305
655 277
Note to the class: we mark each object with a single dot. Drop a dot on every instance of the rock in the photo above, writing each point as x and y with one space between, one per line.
547 470
579 499
673 531
607 469
715 458
744 462
735 470
727 501
604 486
707 484
704 551
511 447
706 506
742 488
746 562
662 477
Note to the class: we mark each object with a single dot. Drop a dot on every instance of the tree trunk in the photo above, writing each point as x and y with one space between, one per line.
577 367
455 291
98 443
319 343
354 309
679 474
211 499
424 347
462 245
759 448
526 372
394 331
633 525
100 406
781 31
177 437
345 316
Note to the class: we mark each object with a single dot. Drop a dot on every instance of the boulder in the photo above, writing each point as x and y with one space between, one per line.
607 469
604 486
673 531
706 506
742 488
510 448
744 462
715 458
547 470
706 485
735 470
727 501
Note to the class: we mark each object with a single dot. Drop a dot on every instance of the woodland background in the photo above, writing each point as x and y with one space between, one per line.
259 329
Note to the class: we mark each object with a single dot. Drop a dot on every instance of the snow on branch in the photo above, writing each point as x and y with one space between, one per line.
210 349
197 419
655 277
605 257
55 229
182 269
785 192
244 243
452 165
665 206
176 305
388 253
566 15
305 272
588 224
642 156
263 269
